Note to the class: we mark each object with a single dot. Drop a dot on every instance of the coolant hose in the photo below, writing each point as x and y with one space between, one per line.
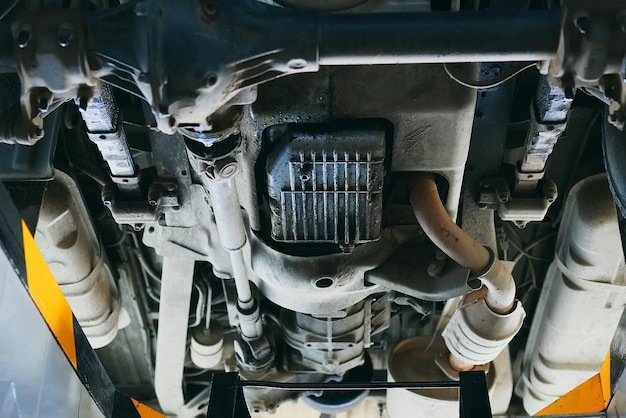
458 245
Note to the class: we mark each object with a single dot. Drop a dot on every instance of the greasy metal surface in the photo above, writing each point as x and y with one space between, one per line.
323 284
53 67
588 30
329 345
592 51
551 103
431 119
335 343
341 39
548 119
428 130
222 71
32 162
303 98
407 274
325 182
490 124
542 137
495 194
102 113
170 162
104 128
432 116
478 223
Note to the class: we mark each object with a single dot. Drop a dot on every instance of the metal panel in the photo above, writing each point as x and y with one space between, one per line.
325 184
432 115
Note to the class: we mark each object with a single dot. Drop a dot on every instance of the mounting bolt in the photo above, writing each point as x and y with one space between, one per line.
83 102
520 224
154 195
36 133
434 269
145 78
43 104
108 194
23 37
141 9
569 86
441 256
226 168
211 79
65 35
209 8
296 63
583 24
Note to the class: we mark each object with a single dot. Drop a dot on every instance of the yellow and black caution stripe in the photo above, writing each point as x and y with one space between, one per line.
18 243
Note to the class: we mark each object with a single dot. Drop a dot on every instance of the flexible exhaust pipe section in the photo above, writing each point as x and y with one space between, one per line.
481 328
458 245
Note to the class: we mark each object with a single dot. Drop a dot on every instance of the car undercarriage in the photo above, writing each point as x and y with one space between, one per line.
323 191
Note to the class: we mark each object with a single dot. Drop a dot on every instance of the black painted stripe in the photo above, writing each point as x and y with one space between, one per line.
11 234
97 382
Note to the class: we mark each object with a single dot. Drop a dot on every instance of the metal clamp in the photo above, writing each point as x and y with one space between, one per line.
162 195
520 209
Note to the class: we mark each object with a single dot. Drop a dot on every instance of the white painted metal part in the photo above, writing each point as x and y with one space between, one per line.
206 356
582 299
477 335
177 278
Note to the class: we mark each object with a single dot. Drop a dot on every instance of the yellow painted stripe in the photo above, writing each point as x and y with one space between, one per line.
591 396
145 411
605 379
47 295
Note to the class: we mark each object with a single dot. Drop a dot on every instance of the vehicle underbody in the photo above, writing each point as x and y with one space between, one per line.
323 191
